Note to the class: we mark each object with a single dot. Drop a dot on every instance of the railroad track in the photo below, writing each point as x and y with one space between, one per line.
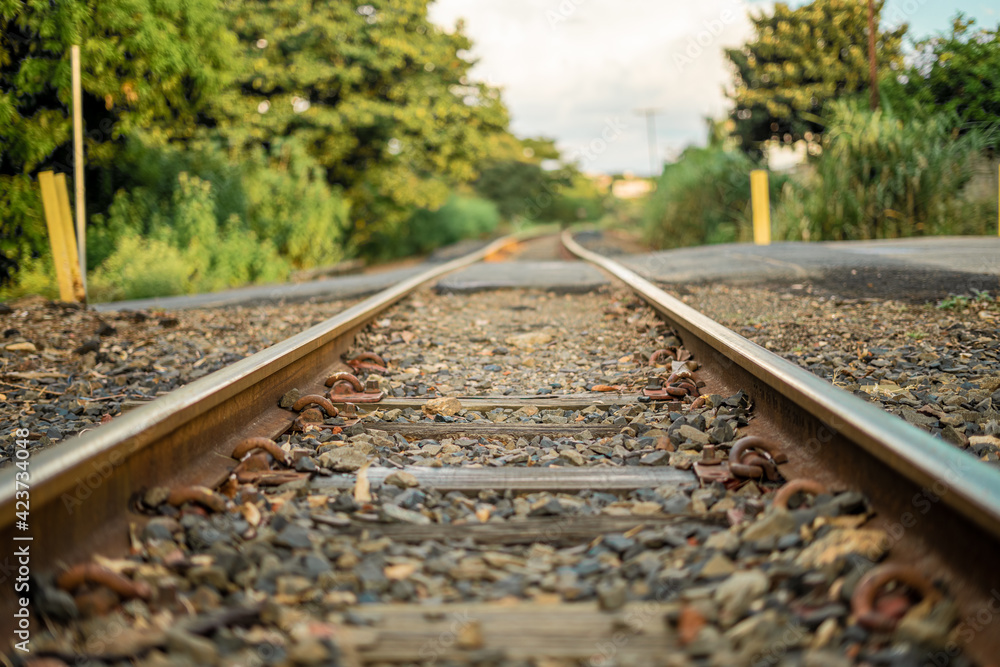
546 519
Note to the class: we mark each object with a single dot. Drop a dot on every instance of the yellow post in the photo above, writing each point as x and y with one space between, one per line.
66 218
761 200
998 199
57 238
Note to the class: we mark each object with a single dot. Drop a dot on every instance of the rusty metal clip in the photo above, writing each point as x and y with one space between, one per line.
665 352
786 492
370 362
341 383
711 468
94 574
657 392
863 600
743 463
315 399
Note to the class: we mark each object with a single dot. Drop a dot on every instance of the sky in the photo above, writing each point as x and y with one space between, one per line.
579 70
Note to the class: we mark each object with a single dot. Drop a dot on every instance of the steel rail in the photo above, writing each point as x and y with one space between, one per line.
80 488
939 503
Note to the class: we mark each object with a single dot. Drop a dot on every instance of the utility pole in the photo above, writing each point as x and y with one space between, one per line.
81 202
650 114
872 66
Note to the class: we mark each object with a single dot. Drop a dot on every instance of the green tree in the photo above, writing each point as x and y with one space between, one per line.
799 60
381 97
144 61
956 74
527 179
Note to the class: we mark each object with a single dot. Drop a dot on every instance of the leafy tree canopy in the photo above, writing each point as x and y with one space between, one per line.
516 180
381 96
144 61
957 74
798 61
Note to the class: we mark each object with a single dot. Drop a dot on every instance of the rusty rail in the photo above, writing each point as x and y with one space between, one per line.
940 505
80 487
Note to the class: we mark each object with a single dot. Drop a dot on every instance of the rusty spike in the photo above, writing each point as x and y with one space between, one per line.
253 463
665 352
786 492
92 573
316 399
268 445
198 494
863 599
368 356
368 361
755 468
338 380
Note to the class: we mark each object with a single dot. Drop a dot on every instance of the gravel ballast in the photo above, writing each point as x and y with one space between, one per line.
64 370
283 565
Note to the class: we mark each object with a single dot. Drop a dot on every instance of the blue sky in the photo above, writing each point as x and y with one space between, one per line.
927 17
577 70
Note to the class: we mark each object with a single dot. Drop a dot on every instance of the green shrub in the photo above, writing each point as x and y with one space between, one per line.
461 217
290 204
23 237
177 246
703 198
879 177
141 268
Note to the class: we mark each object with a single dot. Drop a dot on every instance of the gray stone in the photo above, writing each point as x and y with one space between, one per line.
655 459
293 536
344 459
572 457
773 524
288 400
688 432
396 513
401 479
612 595
200 650
735 594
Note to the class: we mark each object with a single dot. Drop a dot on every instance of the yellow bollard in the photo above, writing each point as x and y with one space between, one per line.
761 201
998 199
66 218
57 236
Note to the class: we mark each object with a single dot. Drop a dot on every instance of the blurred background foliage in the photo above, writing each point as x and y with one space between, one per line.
231 142
924 162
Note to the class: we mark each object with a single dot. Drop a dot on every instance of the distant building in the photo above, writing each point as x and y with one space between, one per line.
630 187
602 181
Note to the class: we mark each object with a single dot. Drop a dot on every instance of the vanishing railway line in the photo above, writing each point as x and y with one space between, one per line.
532 479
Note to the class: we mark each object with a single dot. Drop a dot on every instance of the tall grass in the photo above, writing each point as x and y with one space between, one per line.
881 177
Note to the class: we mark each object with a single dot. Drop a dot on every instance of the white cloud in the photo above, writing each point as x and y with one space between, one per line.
568 67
